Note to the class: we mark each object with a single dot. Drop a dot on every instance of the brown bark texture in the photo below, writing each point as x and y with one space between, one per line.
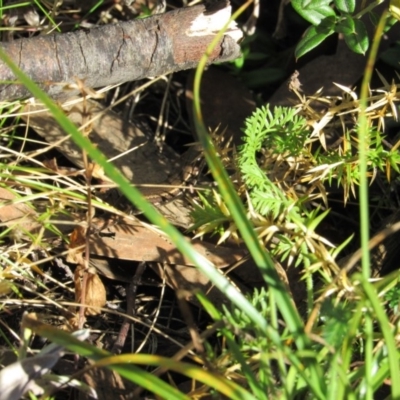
116 53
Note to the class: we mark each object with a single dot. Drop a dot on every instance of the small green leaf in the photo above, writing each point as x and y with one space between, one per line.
355 34
312 38
314 11
345 26
345 6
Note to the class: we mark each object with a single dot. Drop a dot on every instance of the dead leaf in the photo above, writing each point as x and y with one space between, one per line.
76 245
95 292
112 135
129 241
18 216
77 237
188 280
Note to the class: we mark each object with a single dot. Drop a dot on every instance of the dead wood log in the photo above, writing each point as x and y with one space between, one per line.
121 52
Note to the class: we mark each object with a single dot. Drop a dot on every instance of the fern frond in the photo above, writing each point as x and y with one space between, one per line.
281 131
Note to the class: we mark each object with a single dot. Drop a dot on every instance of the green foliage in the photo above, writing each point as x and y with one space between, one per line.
328 17
285 163
355 34
282 218
209 213
335 319
341 334
313 37
392 296
345 6
314 11
283 132
247 335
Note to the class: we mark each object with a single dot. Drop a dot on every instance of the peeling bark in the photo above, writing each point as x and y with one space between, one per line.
119 53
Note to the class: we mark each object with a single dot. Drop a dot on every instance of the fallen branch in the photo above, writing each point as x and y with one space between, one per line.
121 52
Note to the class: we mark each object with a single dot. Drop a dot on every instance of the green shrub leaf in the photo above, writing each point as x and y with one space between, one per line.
311 39
345 6
355 34
314 11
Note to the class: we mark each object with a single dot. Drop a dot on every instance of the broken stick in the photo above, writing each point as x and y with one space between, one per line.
121 52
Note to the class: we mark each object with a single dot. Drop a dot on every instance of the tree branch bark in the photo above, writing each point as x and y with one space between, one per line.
121 52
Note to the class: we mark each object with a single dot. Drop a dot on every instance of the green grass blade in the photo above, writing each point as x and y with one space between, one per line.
212 379
388 334
256 387
131 372
260 256
363 147
123 364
